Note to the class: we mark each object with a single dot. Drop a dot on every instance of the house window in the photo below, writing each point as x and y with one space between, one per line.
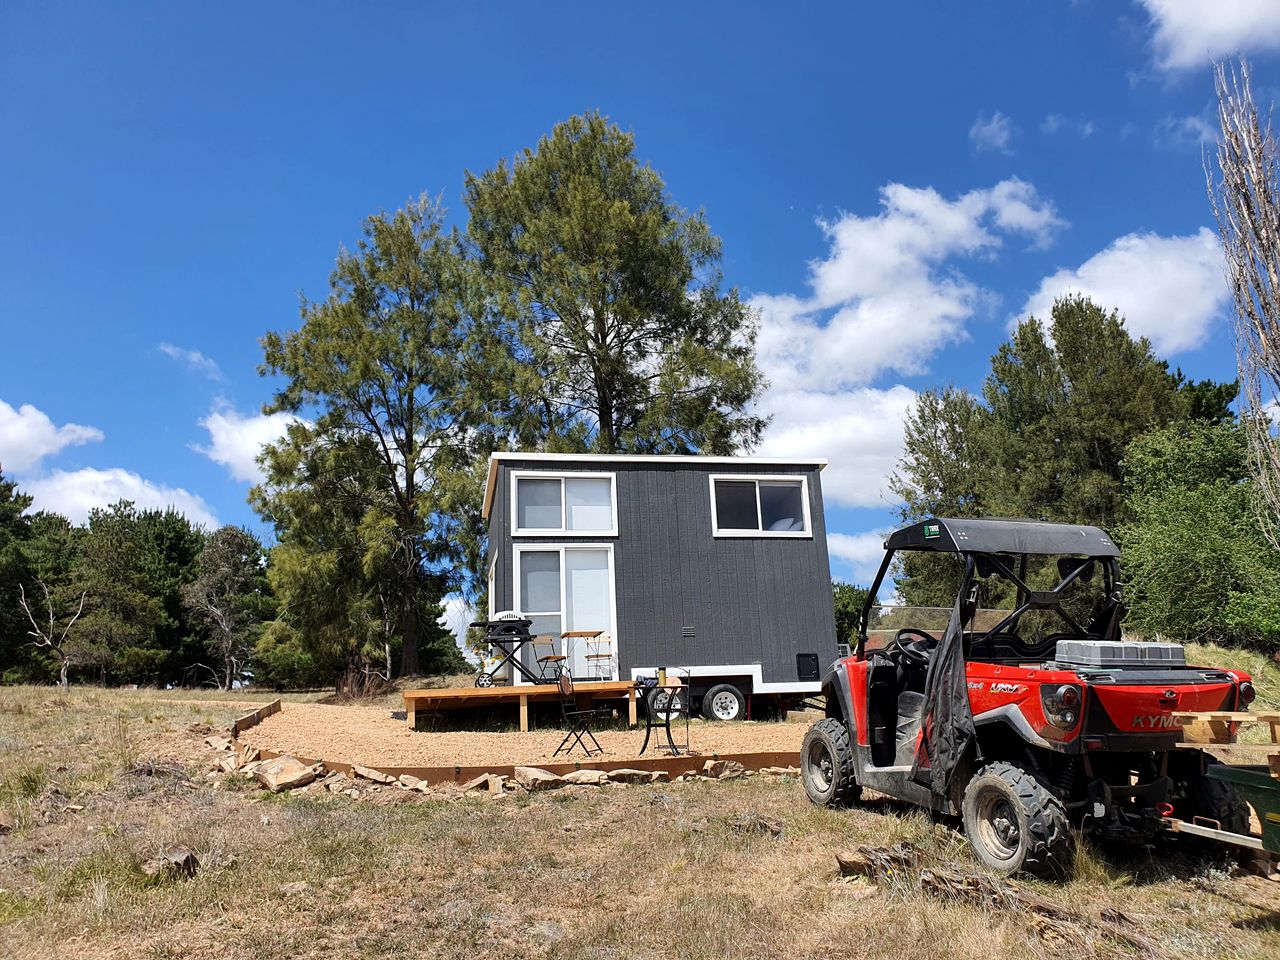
760 507
575 503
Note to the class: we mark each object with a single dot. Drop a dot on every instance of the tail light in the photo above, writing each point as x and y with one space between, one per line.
1061 704
1246 693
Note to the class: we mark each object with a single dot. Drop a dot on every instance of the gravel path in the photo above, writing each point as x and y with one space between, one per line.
368 735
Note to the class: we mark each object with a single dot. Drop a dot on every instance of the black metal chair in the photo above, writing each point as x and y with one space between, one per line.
578 721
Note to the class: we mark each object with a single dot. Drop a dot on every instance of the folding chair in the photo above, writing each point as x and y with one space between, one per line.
576 720
548 659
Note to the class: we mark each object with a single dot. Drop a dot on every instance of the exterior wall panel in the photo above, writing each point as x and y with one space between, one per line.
747 599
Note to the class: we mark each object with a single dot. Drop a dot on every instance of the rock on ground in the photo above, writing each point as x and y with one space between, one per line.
175 861
284 773
535 778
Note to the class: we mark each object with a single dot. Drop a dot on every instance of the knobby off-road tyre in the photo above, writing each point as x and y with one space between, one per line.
724 702
1218 801
827 765
1016 824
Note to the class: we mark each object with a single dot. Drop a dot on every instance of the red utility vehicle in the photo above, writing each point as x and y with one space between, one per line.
1021 709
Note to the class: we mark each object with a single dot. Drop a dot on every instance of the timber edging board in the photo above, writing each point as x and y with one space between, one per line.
255 718
460 774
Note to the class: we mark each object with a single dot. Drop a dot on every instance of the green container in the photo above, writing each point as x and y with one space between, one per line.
1258 789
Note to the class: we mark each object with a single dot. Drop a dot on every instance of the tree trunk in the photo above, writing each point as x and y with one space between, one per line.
409 635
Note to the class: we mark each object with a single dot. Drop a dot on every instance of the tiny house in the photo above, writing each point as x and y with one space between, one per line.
713 567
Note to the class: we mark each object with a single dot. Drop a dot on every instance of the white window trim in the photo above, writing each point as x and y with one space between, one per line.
562 530
805 534
518 595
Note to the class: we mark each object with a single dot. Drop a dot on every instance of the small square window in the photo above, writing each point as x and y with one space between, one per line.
538 504
736 505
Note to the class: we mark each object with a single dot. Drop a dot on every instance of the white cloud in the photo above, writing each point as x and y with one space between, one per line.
861 553
27 436
858 431
235 441
74 493
1169 289
458 614
884 299
195 361
1055 122
992 132
1191 33
1185 132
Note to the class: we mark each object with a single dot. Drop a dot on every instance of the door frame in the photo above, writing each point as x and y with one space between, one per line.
560 548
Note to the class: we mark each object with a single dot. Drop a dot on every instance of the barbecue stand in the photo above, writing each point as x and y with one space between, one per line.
508 637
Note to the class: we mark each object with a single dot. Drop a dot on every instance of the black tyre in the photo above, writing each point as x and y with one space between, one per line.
724 702
1016 824
827 765
660 702
1218 801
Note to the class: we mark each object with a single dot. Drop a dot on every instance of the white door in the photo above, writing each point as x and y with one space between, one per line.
588 594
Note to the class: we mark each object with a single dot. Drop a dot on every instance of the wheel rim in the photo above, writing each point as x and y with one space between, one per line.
664 704
725 706
820 766
998 825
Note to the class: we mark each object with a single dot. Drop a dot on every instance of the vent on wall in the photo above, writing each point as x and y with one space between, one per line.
807 666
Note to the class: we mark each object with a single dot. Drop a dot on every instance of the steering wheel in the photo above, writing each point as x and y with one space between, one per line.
917 651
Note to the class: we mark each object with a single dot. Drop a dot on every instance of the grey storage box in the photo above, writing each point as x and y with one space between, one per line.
1106 653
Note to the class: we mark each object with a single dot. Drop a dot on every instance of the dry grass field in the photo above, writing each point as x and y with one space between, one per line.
95 783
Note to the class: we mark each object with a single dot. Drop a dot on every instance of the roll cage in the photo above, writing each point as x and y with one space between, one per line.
1002 547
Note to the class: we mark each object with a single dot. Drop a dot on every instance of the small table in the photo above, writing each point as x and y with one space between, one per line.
672 689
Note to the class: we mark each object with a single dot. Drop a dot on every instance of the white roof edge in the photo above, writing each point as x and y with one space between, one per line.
494 458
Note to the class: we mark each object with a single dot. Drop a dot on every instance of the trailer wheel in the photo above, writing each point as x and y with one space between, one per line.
1016 824
661 702
827 765
724 702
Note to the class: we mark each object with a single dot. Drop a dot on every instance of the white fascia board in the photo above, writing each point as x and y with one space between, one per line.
819 462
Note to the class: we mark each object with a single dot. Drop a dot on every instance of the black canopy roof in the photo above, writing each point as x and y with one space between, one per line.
1002 536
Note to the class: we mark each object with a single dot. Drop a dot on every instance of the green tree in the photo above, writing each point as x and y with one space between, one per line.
50 598
381 363
115 636
1198 565
849 600
229 600
606 326
1048 435
171 548
15 529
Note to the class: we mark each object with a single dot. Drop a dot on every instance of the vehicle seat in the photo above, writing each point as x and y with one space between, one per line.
910 707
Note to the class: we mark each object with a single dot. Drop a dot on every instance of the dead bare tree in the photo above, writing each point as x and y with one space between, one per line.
52 636
1245 195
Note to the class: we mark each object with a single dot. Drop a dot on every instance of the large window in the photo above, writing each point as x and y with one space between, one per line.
760 507
573 503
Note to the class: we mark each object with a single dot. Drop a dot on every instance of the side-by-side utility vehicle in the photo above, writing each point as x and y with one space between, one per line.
1020 709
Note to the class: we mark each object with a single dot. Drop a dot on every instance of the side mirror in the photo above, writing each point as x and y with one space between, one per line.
1069 565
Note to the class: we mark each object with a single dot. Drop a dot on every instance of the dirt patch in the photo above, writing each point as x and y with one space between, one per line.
369 735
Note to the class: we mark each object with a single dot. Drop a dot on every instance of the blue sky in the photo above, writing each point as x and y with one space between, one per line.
892 183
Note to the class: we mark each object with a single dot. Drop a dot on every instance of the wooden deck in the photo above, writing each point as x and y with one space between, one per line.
461 698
